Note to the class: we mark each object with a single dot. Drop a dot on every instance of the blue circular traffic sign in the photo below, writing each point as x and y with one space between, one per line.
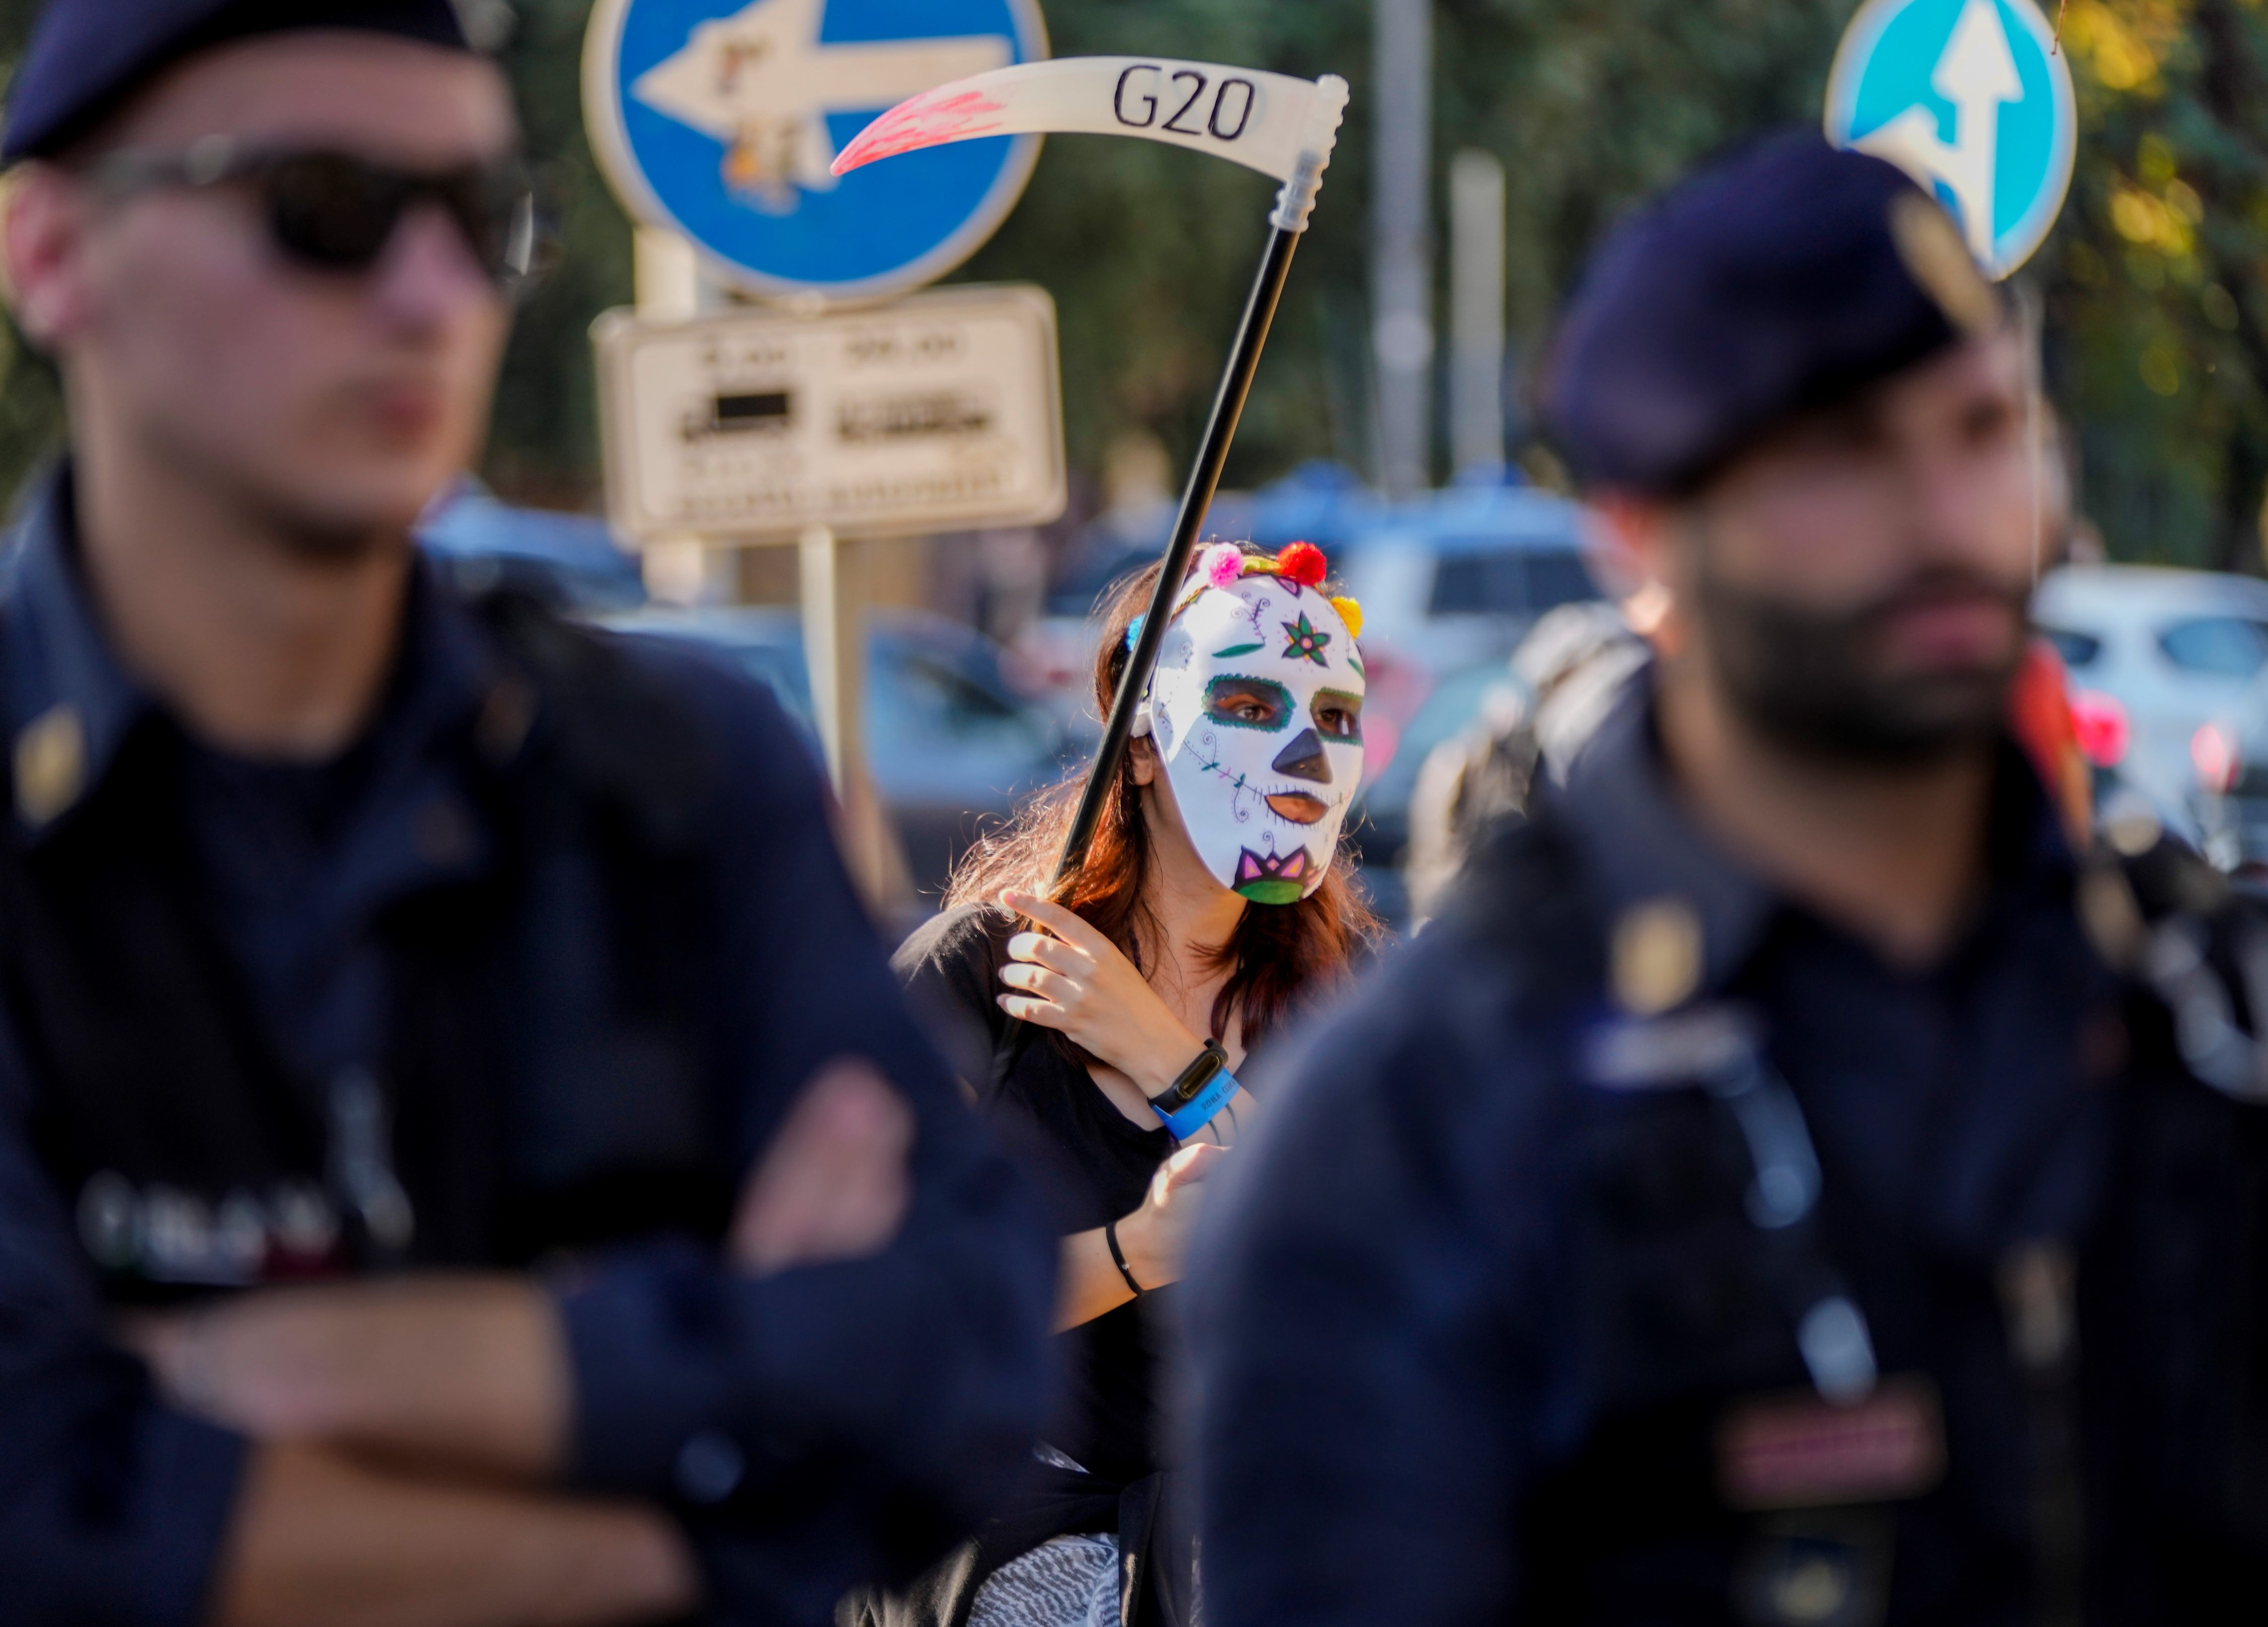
1973 99
718 119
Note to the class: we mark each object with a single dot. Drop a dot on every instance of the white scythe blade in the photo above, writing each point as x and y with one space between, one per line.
1267 122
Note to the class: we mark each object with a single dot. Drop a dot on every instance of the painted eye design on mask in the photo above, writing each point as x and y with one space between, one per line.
1248 703
1337 715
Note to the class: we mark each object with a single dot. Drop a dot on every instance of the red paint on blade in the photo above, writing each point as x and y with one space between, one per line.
929 120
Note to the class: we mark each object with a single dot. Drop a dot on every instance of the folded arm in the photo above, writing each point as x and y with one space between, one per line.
318 1536
468 1375
836 1396
117 1506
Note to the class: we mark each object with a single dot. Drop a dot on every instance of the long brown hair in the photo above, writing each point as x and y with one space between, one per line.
1279 954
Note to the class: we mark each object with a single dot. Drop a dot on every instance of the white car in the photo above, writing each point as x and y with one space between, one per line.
1457 580
2183 656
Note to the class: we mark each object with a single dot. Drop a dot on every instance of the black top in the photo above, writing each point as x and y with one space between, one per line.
1090 1164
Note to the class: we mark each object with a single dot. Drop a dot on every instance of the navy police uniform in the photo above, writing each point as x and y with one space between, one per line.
1645 1248
524 980
520 982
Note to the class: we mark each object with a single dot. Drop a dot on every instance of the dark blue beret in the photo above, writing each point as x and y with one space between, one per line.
1791 276
86 56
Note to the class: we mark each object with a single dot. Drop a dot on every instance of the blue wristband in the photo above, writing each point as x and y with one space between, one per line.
1197 1097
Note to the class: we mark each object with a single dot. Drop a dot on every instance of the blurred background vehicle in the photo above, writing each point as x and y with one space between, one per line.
951 741
569 561
2169 673
1450 584
1381 825
953 737
1456 578
1320 502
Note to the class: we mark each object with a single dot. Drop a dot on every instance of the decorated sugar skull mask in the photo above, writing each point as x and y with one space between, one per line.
1255 710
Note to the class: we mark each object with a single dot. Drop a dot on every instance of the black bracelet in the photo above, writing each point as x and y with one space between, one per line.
1110 1236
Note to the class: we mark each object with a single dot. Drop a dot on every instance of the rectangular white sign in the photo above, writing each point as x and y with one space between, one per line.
939 412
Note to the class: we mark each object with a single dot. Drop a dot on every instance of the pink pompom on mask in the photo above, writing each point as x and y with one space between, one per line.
1222 565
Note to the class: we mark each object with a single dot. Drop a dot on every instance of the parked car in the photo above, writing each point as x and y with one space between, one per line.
2173 667
950 742
1380 821
572 561
1319 503
1456 580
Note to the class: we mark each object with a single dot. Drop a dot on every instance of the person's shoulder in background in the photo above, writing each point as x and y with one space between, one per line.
751 738
965 936
950 968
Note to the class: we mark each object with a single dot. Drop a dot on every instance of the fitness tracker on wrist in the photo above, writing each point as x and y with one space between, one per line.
1192 1102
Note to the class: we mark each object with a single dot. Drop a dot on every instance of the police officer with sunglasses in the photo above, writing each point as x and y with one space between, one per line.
1799 1181
463 1159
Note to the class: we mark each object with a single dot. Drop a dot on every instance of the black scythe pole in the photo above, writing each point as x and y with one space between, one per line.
1204 481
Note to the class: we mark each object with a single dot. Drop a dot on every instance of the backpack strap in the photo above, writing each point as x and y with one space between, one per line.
1532 890
2195 940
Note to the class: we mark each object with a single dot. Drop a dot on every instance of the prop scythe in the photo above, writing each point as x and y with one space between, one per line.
1280 126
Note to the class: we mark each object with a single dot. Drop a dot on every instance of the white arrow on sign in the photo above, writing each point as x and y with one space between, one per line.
1977 75
761 82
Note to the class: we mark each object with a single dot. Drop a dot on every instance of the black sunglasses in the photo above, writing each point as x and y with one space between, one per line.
333 212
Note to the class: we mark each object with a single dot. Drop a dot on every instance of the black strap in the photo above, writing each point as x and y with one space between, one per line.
2040 1305
1529 891
1118 1255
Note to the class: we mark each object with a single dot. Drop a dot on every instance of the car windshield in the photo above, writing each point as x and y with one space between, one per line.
922 701
921 706
1524 582
782 668
2218 646
2077 650
1454 703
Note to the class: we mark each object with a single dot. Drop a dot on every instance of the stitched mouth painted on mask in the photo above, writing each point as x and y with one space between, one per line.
1300 807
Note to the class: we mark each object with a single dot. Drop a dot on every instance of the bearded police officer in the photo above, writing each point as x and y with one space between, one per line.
1772 1194
350 931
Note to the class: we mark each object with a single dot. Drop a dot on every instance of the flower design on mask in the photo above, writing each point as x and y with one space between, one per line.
1270 879
1309 642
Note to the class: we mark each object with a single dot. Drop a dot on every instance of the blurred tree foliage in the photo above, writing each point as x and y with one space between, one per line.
2155 287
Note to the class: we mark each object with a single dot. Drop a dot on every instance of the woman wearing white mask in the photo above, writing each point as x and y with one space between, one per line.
1213 905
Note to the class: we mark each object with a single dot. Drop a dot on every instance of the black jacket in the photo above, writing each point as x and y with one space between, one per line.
1497 1320
570 943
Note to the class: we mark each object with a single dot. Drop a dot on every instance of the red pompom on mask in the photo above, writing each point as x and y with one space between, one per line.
1303 563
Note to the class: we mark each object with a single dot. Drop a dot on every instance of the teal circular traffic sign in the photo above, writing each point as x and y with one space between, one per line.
720 119
1973 99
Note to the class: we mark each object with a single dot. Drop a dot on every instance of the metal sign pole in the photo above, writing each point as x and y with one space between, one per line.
835 654
831 644
1204 481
